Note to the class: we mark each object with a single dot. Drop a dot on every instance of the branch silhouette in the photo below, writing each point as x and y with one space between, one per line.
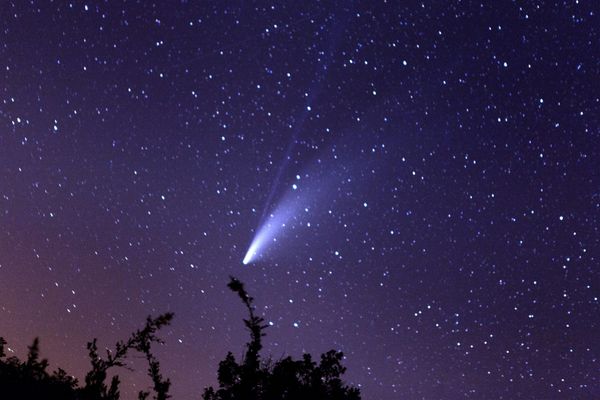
286 379
29 379
252 378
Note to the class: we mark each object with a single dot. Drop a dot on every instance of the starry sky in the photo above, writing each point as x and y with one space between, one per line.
431 169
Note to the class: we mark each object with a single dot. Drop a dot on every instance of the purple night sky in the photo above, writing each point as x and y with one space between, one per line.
418 183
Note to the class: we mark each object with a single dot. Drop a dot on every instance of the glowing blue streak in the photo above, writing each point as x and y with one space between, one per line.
258 242
315 90
268 231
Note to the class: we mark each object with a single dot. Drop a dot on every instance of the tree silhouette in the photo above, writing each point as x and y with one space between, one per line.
141 340
250 379
286 379
30 379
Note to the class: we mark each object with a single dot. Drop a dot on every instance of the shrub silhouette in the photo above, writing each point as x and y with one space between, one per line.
250 379
286 379
30 379
141 340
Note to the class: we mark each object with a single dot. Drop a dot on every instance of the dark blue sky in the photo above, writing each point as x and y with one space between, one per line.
446 152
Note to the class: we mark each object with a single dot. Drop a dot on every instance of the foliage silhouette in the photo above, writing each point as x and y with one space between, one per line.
250 379
286 379
30 379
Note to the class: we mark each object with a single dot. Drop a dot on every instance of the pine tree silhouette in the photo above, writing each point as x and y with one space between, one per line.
286 379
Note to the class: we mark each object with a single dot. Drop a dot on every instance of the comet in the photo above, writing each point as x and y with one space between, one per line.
259 241
334 180
273 227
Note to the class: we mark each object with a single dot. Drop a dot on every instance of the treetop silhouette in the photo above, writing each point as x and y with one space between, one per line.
285 379
31 380
250 379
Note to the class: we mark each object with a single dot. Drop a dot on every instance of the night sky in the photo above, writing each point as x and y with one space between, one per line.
421 181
